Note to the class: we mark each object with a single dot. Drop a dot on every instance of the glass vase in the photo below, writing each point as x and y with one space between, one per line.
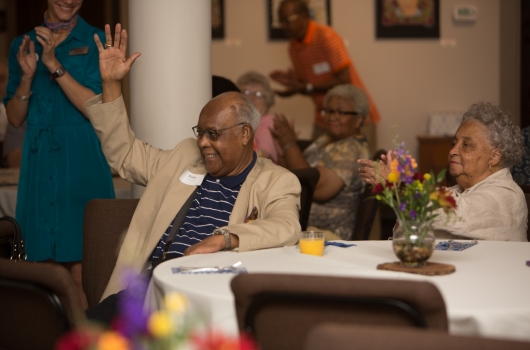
413 243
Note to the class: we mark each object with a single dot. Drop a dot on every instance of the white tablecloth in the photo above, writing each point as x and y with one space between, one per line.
488 295
9 188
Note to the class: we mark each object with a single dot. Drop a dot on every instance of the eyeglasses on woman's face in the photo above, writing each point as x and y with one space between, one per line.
211 134
254 94
328 112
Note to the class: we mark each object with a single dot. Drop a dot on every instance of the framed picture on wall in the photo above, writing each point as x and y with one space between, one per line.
407 19
319 10
218 19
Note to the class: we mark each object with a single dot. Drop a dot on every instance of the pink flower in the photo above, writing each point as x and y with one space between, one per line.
217 341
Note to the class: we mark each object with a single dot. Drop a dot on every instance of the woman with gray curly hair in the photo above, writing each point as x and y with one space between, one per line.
257 88
490 205
338 191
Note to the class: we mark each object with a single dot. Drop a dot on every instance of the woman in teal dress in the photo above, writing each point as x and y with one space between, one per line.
53 70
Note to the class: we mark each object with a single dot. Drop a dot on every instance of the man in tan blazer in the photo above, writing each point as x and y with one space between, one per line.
265 212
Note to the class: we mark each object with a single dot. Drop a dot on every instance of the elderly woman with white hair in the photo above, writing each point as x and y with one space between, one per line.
334 154
490 205
257 88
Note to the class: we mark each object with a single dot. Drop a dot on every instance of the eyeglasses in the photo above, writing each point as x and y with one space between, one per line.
251 94
211 134
343 114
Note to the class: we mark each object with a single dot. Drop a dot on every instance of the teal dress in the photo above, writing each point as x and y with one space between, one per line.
62 166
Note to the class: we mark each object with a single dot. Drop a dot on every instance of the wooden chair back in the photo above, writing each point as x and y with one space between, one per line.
279 310
104 224
39 302
341 337
308 180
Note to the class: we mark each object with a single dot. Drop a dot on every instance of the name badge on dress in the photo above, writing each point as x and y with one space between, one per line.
321 68
83 50
188 178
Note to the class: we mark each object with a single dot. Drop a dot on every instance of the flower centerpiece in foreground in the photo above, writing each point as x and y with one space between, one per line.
177 325
417 200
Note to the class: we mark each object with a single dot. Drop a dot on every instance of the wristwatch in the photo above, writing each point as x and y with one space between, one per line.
226 234
59 72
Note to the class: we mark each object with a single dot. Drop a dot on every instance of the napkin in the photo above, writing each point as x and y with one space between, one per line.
452 245
207 270
338 244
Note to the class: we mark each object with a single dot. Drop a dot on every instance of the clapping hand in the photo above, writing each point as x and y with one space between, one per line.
27 60
45 38
113 62
287 79
283 133
375 172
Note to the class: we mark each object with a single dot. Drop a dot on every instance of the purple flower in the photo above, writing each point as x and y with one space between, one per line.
402 206
417 195
413 214
132 317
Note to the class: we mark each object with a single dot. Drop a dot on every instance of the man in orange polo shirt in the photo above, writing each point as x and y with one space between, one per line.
319 58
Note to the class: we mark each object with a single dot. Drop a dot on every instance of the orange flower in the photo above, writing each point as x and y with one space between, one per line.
113 341
444 198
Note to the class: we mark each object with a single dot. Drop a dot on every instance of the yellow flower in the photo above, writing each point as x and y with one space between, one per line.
159 324
113 341
427 176
175 302
393 177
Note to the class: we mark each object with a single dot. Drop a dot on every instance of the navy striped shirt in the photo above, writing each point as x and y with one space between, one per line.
210 209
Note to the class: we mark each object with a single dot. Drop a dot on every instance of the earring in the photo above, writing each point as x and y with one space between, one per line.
490 166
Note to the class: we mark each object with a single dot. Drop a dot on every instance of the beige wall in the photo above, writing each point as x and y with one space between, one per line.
408 79
510 56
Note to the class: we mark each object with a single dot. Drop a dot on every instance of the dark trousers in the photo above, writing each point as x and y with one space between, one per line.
105 311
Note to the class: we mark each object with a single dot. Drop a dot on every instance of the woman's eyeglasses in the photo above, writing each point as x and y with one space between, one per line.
251 94
211 134
326 112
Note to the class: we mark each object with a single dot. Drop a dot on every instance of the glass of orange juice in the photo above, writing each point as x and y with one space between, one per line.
312 242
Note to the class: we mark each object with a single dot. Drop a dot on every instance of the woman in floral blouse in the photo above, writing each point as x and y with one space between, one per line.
338 191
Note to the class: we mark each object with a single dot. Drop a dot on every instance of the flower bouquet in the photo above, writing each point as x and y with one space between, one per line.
177 325
416 200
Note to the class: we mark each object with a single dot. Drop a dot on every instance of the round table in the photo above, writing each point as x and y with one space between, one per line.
488 295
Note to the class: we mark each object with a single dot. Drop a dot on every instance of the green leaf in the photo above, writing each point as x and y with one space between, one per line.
441 175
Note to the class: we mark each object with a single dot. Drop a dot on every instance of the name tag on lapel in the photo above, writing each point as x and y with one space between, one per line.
83 50
189 178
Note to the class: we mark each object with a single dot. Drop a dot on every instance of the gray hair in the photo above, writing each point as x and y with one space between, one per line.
246 112
253 77
503 133
354 95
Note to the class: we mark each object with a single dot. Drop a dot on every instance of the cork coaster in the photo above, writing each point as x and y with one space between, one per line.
432 268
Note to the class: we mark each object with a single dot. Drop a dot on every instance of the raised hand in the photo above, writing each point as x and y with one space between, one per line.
373 172
113 62
287 79
283 131
27 60
281 76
